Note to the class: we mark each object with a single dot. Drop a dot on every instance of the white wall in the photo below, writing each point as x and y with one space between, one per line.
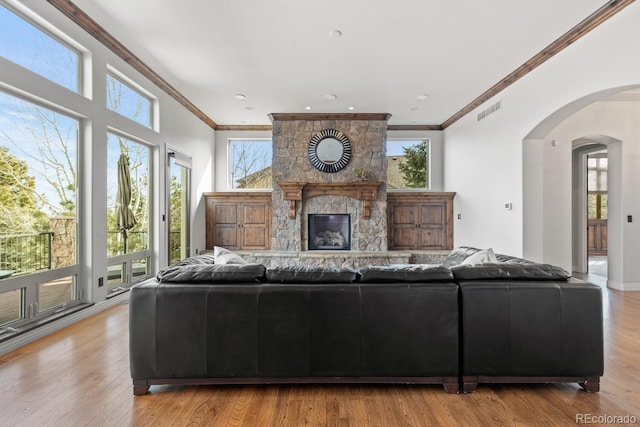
484 160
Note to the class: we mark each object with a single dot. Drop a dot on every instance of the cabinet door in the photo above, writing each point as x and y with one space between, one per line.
432 226
256 225
402 218
226 227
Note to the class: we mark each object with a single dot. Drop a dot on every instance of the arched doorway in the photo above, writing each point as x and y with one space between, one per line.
555 193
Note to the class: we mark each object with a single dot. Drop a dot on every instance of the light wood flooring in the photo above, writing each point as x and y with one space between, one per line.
79 376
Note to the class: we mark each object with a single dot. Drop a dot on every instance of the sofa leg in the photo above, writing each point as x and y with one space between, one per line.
591 384
451 384
140 390
469 383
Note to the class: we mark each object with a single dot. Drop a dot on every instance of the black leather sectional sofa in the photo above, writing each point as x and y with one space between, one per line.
201 322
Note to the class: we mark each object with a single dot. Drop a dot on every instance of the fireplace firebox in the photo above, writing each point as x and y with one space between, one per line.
330 232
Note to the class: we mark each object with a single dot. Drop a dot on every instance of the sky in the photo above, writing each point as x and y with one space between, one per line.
395 147
37 51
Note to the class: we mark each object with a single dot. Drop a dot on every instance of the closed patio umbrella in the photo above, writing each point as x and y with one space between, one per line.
125 218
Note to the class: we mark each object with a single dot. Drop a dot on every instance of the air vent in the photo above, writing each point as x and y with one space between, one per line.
490 110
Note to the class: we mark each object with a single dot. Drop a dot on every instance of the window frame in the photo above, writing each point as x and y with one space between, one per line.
30 282
598 170
127 260
429 164
133 86
229 166
83 65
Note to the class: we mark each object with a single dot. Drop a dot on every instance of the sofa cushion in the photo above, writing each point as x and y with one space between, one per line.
480 257
405 273
197 259
510 271
458 255
225 256
212 273
311 275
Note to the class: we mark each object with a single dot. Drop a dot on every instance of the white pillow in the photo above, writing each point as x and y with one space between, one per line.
481 257
225 256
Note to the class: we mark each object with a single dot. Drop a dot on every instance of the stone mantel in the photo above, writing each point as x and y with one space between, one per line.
360 190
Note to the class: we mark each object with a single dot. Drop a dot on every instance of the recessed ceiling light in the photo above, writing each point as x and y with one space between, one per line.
413 108
240 97
331 96
352 108
422 97
307 108
335 34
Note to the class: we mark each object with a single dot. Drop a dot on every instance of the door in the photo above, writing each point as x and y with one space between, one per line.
431 227
402 218
597 203
179 201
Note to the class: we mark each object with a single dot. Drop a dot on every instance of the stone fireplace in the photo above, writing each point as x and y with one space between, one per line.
303 190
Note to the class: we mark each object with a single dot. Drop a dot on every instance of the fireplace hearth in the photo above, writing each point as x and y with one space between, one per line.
329 232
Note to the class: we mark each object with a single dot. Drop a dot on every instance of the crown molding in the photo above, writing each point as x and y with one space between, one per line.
78 16
244 127
414 127
592 21
329 116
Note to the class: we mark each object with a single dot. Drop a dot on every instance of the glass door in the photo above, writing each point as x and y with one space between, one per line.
179 202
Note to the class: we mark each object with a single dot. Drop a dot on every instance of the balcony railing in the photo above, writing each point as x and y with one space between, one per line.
26 253
137 241
175 246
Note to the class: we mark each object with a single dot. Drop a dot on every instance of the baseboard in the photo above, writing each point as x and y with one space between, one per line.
620 286
49 328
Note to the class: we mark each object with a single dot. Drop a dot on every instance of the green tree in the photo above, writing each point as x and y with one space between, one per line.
414 167
19 205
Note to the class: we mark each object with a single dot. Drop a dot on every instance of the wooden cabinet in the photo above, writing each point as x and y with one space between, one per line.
597 236
238 220
420 221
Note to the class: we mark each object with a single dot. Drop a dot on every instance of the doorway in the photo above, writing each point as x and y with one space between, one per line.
597 212
597 203
179 198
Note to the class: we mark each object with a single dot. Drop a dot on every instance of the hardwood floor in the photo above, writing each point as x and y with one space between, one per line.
79 376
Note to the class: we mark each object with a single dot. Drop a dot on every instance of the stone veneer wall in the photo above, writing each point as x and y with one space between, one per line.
291 163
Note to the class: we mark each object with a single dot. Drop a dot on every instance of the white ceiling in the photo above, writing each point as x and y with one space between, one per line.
279 53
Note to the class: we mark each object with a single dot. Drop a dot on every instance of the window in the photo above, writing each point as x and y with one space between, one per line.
128 209
128 102
38 208
408 164
30 47
250 164
597 197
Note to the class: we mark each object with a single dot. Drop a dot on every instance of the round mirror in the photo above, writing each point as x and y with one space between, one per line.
329 150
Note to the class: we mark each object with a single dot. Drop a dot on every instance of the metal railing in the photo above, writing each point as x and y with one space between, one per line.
136 241
175 246
26 253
